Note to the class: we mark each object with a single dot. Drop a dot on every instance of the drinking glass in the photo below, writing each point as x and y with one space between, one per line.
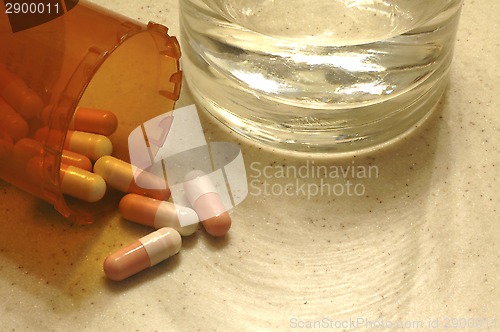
325 76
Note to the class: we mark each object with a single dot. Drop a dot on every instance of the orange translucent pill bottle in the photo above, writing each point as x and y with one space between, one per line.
72 54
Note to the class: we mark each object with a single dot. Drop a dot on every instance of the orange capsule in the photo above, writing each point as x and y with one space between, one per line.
16 93
142 254
6 145
52 137
71 158
24 150
11 122
93 120
158 214
119 174
207 203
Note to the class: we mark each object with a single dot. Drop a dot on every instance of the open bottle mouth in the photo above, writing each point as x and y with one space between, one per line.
112 64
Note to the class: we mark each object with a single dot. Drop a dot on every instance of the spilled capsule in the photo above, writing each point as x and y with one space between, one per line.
119 174
157 214
142 254
205 200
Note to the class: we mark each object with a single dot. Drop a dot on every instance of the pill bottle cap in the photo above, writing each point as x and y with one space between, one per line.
83 56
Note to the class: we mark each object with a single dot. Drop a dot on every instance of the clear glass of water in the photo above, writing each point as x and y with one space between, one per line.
327 76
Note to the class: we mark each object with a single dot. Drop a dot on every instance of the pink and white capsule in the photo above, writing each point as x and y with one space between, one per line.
142 254
207 203
156 213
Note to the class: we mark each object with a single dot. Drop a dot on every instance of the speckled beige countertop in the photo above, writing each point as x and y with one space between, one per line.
420 248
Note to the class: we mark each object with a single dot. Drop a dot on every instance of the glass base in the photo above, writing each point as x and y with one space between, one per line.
341 137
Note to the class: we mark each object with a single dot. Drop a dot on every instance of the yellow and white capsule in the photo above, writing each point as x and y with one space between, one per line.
81 184
74 181
142 254
27 148
91 145
119 174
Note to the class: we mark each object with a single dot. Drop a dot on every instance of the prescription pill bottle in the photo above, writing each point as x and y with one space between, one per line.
59 56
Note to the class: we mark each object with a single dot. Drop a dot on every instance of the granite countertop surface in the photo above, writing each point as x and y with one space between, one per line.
420 248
